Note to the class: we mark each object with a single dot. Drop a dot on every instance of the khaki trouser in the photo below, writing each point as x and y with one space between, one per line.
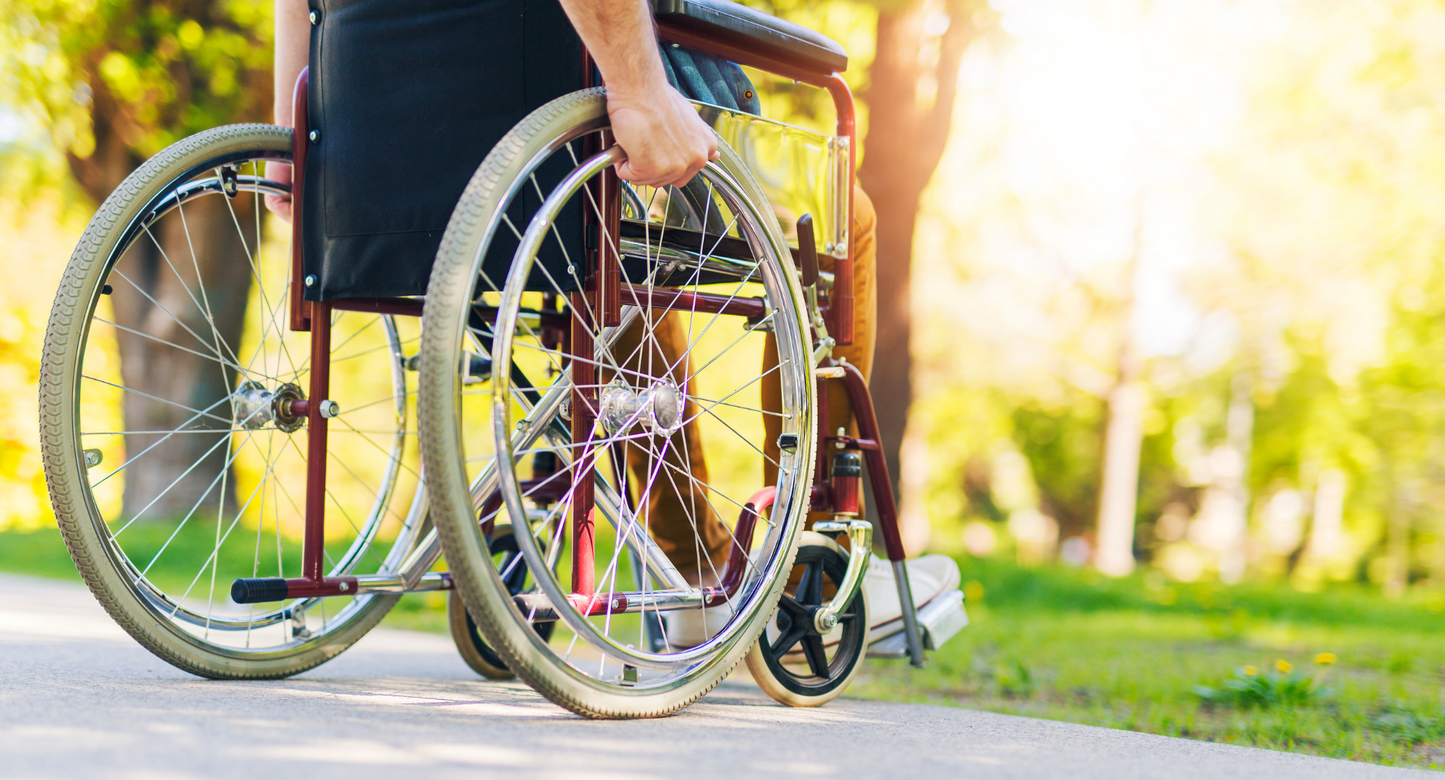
682 521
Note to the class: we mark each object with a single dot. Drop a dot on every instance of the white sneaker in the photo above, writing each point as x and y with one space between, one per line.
691 627
929 576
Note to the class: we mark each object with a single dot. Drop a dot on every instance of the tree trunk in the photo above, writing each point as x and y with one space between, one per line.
1327 527
182 472
1239 427
1124 432
914 82
1118 501
1397 544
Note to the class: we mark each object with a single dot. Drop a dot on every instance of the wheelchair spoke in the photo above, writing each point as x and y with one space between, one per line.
250 373
174 482
664 397
229 460
184 315
205 299
168 313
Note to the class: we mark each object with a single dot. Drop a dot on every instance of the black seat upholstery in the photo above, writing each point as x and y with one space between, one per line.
740 25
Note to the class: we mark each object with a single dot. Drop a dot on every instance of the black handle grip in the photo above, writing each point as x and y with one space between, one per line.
255 590
807 250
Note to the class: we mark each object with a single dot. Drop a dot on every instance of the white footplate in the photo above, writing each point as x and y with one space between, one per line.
938 621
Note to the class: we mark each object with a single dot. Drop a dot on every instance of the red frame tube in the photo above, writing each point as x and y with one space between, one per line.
669 299
840 308
862 403
584 374
607 259
845 494
402 307
743 540
300 129
312 550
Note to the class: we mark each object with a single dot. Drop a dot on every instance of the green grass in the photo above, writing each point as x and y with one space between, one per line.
1067 644
1132 653
40 553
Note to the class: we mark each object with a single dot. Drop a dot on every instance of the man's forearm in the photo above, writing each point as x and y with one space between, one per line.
620 37
293 46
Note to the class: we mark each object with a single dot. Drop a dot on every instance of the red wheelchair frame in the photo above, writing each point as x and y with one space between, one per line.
604 290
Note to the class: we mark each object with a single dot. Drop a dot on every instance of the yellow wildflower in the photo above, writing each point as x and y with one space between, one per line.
1325 658
1284 666
973 592
1251 670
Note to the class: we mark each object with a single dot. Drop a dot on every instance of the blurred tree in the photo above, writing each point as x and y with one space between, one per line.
114 82
1062 442
1124 431
912 87
1334 191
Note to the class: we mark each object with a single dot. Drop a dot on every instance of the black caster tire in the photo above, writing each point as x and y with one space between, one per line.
824 668
473 648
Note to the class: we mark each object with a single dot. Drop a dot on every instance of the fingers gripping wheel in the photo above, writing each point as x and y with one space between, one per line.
796 661
633 332
470 643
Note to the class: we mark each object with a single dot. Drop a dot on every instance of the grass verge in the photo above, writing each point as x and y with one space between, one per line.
1345 674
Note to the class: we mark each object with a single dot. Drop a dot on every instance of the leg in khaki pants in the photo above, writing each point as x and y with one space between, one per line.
678 512
681 518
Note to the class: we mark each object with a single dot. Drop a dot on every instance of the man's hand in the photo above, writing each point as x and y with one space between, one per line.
665 140
280 205
293 31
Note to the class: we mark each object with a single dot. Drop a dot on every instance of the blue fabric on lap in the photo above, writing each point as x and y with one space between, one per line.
690 81
708 79
742 87
707 67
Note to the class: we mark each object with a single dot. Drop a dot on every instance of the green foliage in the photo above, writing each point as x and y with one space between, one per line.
148 71
1398 722
39 552
1062 443
1225 611
1248 688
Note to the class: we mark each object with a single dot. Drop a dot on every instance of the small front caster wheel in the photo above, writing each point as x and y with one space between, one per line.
473 648
796 663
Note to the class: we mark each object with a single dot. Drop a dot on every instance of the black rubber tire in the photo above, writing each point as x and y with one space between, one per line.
448 303
791 689
65 473
469 641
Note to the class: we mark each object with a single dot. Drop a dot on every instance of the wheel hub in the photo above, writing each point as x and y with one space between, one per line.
254 407
658 407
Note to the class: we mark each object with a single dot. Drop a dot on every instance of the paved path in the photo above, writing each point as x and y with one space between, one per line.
78 698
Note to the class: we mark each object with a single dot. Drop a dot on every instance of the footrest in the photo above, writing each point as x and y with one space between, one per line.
938 621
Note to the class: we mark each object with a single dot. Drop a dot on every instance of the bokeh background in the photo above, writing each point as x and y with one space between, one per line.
1174 266
1162 299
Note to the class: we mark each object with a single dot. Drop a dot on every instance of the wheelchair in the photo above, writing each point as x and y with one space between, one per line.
634 346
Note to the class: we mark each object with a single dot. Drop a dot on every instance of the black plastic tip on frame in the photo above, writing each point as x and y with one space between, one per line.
847 464
255 590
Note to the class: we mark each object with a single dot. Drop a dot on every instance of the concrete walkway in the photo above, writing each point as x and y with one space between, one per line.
79 699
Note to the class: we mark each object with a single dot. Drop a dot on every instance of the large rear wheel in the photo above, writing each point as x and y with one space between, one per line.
174 452
633 437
